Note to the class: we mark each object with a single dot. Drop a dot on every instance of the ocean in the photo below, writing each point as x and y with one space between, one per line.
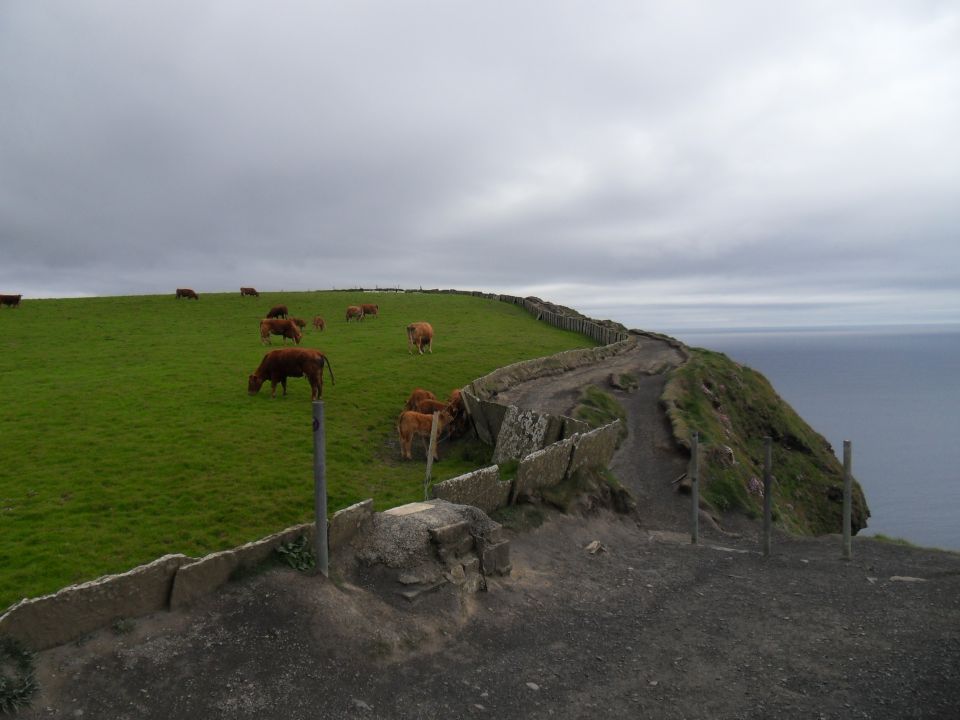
893 392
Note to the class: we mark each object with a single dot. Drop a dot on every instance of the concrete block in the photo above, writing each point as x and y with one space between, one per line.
78 610
475 411
494 414
346 523
543 468
595 448
482 489
201 578
522 432
452 534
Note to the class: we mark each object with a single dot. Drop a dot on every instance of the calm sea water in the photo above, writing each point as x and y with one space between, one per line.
894 393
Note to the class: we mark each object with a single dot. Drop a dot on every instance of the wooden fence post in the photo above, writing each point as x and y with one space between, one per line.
695 488
430 452
847 499
767 493
320 541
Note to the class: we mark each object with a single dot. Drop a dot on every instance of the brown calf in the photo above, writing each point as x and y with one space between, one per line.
420 334
278 365
10 300
373 310
187 293
273 326
416 396
277 311
318 323
354 313
300 323
411 424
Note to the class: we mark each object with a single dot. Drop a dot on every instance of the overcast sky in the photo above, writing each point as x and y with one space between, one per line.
666 164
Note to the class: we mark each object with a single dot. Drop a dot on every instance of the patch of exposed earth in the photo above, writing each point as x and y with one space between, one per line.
646 626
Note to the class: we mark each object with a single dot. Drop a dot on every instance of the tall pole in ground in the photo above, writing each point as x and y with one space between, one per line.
320 490
847 499
695 488
430 452
767 493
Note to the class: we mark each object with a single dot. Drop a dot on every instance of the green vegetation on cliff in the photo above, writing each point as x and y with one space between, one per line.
733 408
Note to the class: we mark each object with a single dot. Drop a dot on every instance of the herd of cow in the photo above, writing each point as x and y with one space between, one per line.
415 420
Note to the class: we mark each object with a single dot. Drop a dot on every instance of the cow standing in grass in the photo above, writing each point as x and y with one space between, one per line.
418 395
319 324
249 291
372 310
277 311
285 328
410 424
10 300
420 335
187 293
354 312
278 365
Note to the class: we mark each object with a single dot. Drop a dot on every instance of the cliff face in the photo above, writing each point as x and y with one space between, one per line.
733 408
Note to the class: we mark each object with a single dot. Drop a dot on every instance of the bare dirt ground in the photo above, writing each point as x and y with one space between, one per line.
649 626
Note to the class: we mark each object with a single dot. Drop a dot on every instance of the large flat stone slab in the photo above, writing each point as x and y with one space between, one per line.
543 468
481 488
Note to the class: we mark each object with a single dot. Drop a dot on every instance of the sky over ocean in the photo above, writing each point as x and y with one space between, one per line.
692 164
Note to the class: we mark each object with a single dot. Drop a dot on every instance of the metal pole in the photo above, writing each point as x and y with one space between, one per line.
320 490
695 488
433 445
767 493
847 490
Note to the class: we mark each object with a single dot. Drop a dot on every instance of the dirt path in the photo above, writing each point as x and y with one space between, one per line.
649 627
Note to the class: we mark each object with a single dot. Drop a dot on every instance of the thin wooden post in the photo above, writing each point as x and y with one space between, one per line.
695 488
767 493
847 499
321 547
430 452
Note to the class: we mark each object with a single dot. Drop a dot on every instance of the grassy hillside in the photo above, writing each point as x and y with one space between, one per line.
127 431
733 408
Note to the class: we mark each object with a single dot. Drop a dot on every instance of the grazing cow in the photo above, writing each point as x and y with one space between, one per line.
249 291
416 396
278 365
277 311
300 323
319 324
273 326
411 423
420 334
10 300
354 312
430 406
370 310
187 293
459 411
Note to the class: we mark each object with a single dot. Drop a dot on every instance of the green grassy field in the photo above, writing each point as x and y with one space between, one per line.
127 431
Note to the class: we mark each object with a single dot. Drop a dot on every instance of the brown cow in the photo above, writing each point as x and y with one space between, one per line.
10 300
459 411
370 310
420 334
319 324
354 313
411 424
278 311
273 326
300 323
416 396
430 406
249 291
278 365
187 293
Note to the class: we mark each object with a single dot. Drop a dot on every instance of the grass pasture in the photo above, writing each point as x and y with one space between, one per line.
126 431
